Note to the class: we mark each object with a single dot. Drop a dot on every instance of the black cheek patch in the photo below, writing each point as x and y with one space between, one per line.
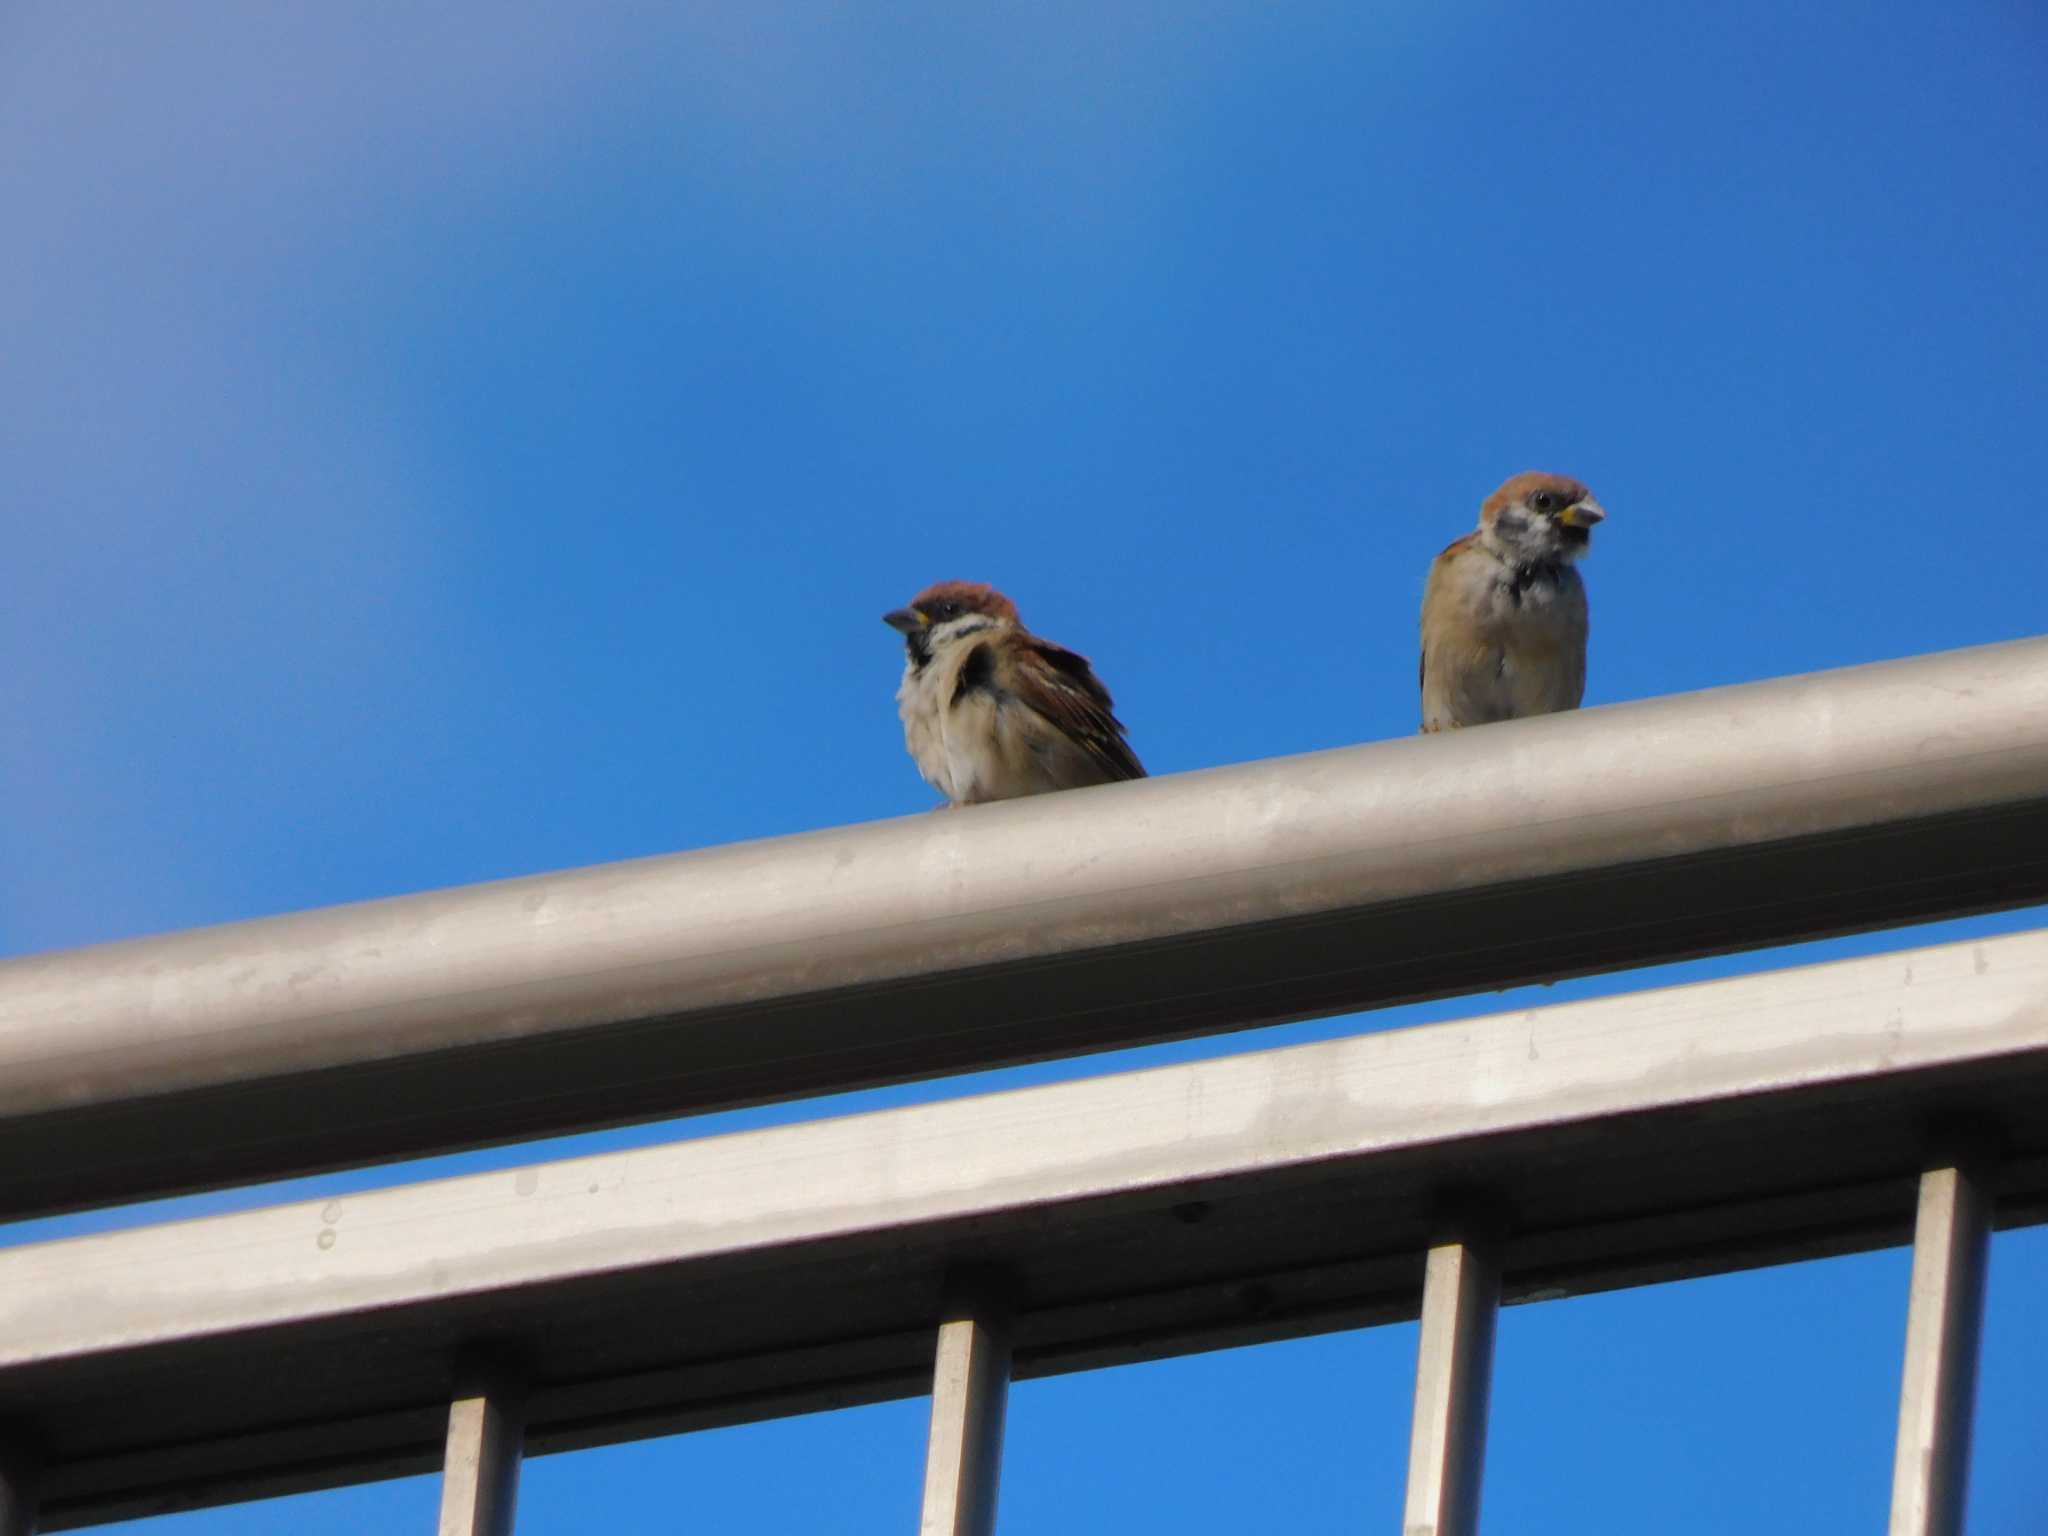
977 672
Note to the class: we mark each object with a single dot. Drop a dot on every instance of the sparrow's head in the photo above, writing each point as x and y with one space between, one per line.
1535 518
946 610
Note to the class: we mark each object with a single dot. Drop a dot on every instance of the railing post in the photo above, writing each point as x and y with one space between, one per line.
19 1478
1938 1389
486 1437
970 1391
1453 1376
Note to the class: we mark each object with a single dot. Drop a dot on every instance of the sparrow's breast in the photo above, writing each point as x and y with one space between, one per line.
1497 646
920 704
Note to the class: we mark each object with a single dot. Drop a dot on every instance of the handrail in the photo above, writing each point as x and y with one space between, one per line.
1100 918
1646 1137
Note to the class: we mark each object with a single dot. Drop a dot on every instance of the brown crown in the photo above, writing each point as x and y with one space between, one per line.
1519 488
974 596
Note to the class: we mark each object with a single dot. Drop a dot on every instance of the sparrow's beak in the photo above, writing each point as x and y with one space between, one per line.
906 619
1582 514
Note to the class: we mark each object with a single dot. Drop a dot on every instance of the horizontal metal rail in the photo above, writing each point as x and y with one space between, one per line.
1071 923
1638 1138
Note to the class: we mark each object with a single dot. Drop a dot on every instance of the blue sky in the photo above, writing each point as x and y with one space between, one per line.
444 442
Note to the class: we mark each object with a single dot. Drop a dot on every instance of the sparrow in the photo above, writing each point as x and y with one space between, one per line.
1504 613
990 711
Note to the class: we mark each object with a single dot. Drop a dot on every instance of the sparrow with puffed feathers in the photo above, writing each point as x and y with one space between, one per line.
1504 614
991 711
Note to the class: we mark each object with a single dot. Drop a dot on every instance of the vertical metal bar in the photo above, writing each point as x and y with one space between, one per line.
19 1476
486 1436
1938 1392
1453 1375
970 1390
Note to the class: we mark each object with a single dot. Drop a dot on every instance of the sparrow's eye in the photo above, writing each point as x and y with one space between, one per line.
1544 501
944 611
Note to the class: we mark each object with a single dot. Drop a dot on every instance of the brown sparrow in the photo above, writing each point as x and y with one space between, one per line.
1504 613
990 711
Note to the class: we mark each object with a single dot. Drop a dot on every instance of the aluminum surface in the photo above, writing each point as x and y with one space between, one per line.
480 1467
1061 924
970 1397
1453 1381
1938 1387
1643 1137
17 1492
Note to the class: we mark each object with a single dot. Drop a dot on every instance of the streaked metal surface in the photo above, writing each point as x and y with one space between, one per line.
486 1439
1453 1380
1265 1195
1938 1389
970 1393
1036 928
17 1491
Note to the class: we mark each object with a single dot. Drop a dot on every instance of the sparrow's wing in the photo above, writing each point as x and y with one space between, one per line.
1061 686
1437 605
1572 689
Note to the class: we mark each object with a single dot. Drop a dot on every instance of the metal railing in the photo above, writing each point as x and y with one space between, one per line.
1428 1171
